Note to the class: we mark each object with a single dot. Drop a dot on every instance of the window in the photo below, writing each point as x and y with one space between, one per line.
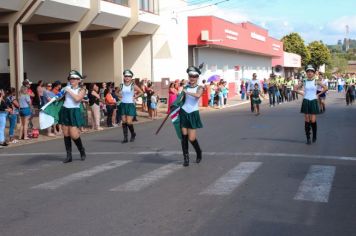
149 6
121 2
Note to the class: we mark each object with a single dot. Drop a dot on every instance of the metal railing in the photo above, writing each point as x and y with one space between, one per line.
120 2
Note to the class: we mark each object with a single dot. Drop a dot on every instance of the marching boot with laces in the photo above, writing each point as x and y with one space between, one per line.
132 131
125 131
314 129
307 132
185 150
197 150
80 147
68 145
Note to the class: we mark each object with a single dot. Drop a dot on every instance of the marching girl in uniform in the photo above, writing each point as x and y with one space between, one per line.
70 116
310 106
127 106
189 115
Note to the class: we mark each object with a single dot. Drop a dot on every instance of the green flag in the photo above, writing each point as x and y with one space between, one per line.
174 114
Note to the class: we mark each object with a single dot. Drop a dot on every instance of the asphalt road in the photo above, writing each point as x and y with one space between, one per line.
257 177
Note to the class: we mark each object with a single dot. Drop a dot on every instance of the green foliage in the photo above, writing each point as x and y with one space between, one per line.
295 44
319 53
337 63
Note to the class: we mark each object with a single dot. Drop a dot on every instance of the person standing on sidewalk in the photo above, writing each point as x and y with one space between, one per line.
25 112
322 97
14 104
310 106
70 116
251 86
272 87
110 103
189 115
127 106
94 103
4 110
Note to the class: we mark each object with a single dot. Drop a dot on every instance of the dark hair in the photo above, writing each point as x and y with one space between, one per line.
204 81
11 91
106 91
39 82
56 83
171 85
91 86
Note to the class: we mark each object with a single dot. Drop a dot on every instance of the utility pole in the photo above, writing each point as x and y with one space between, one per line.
347 40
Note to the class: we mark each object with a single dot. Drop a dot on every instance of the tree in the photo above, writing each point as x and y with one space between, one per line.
319 53
295 44
337 64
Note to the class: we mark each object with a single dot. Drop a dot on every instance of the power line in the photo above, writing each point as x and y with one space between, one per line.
197 8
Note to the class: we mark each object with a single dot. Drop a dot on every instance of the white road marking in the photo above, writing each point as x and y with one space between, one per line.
80 175
236 105
316 184
172 153
232 179
148 179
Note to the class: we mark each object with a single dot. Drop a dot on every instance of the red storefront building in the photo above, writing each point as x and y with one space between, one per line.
233 51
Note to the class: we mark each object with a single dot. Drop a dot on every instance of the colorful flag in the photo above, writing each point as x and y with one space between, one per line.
49 114
174 114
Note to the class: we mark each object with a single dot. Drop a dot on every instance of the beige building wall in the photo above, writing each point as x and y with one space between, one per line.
4 56
137 55
46 61
98 58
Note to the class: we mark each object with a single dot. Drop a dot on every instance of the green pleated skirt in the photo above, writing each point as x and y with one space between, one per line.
190 120
256 101
128 109
71 117
310 107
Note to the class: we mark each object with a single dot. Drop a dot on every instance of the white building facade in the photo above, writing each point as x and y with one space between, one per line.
45 39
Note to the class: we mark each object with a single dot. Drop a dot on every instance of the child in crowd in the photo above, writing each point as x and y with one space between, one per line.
154 104
256 95
242 90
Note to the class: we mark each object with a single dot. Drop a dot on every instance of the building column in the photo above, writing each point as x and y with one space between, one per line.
118 43
16 41
76 61
16 56
76 51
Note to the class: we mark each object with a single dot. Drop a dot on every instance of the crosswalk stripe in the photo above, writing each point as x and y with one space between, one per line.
317 183
80 175
232 179
148 179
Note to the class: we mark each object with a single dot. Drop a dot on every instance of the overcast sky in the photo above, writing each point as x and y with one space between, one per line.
324 20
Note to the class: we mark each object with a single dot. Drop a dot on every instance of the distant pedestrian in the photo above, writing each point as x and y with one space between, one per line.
25 111
13 103
4 110
256 99
242 90
172 95
154 105
40 96
251 86
94 104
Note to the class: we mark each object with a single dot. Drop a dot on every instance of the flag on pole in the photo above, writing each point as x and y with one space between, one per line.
174 114
49 114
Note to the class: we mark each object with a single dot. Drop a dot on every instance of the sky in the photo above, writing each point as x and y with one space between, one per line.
324 20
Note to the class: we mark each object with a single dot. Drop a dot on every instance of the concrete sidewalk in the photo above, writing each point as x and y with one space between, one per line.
142 117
